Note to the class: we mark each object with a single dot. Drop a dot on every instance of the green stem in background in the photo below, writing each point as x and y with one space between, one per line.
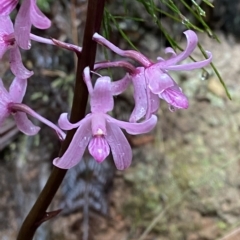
38 214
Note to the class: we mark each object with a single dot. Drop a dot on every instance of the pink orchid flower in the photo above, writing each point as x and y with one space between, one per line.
156 74
99 131
7 42
6 6
29 14
10 103
146 103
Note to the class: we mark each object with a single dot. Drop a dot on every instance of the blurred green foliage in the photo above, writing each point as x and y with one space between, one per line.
44 5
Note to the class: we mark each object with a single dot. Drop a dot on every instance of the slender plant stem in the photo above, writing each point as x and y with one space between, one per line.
38 214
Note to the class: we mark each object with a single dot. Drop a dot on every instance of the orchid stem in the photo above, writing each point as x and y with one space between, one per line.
86 58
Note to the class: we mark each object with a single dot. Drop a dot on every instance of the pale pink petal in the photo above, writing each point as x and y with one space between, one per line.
119 86
135 128
16 64
23 25
4 101
24 124
6 6
99 148
38 19
87 79
120 148
193 65
17 89
6 29
157 80
175 97
170 51
64 123
155 102
76 149
140 95
101 97
192 41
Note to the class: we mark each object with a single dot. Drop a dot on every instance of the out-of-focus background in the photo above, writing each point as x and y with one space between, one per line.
184 183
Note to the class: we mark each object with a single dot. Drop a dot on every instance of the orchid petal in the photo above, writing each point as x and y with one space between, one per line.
155 102
175 97
119 86
101 98
38 19
140 95
99 148
135 128
157 80
23 25
6 6
171 51
24 124
76 149
64 123
6 28
4 100
17 89
16 64
192 66
192 41
120 148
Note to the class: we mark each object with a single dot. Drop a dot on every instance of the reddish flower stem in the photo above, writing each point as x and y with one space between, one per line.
38 214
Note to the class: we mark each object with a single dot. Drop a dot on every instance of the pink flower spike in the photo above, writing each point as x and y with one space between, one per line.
157 78
7 6
29 14
100 131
